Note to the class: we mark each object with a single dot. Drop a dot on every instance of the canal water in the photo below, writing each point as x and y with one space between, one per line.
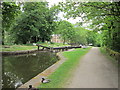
19 69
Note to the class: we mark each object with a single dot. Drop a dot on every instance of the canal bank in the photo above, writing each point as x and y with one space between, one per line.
18 69
60 70
36 81
5 53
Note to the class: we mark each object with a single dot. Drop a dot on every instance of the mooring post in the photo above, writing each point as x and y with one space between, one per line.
51 49
38 48
43 48
66 48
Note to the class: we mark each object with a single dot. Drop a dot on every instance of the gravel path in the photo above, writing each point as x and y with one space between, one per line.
94 71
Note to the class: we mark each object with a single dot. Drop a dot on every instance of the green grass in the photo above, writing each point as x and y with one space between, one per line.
29 47
64 72
103 51
19 48
54 44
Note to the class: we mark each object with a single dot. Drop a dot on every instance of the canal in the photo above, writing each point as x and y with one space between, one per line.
18 69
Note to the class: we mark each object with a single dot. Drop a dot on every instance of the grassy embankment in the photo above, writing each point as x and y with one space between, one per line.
64 72
29 47
103 51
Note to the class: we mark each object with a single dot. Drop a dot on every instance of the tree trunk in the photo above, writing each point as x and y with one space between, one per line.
3 35
43 40
64 41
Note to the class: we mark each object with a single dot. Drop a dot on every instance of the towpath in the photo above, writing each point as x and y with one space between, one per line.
94 71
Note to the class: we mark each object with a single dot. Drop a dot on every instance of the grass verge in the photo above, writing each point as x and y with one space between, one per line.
19 48
103 51
64 72
29 47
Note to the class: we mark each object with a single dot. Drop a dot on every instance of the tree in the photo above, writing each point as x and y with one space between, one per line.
0 24
103 15
81 35
66 30
34 24
85 37
9 11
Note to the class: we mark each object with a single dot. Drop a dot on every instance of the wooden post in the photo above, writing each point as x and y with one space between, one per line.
51 49
66 48
43 48
38 48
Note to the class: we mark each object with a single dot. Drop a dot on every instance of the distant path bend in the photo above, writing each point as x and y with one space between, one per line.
94 71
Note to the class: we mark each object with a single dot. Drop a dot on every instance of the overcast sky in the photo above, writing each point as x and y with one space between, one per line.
71 20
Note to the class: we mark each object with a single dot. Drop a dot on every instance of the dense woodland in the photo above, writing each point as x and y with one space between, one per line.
32 22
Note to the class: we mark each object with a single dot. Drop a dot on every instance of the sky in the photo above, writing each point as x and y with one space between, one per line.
60 15
52 2
71 20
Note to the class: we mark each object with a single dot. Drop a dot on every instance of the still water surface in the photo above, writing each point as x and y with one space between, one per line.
20 68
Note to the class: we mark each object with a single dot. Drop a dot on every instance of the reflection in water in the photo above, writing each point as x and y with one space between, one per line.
19 69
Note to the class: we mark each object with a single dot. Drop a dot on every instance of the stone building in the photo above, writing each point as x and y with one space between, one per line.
56 38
